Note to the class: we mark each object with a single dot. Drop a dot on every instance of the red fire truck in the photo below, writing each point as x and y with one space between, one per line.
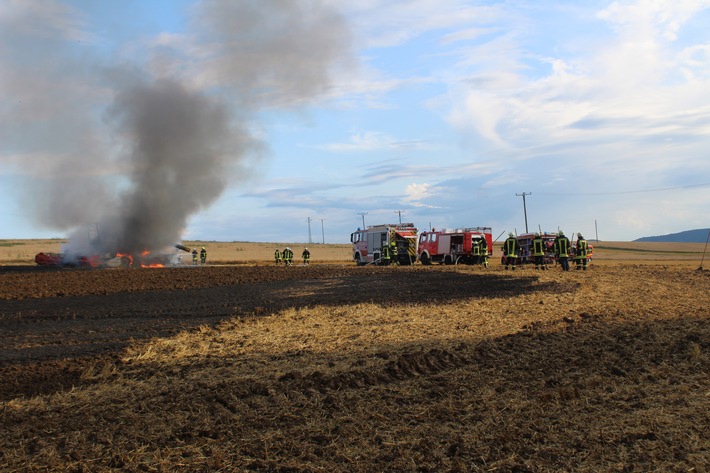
455 246
385 244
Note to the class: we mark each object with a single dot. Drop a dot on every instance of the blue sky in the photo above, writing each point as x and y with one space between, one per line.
440 111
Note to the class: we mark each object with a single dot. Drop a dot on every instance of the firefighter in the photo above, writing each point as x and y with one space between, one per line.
306 255
203 255
394 254
288 256
277 256
562 250
581 256
385 257
194 256
510 250
538 252
476 250
484 252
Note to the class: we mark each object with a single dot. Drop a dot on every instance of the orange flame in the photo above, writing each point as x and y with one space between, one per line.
144 255
126 256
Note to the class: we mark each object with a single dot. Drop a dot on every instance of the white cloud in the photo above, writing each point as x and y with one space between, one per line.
649 18
371 141
414 193
43 18
392 23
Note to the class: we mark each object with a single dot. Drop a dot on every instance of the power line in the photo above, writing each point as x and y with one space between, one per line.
663 189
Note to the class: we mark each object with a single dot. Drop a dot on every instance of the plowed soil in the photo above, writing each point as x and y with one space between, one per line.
344 368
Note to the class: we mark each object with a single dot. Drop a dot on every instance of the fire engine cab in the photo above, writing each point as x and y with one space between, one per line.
455 246
385 244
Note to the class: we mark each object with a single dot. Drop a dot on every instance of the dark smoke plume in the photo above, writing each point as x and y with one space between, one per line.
180 158
182 129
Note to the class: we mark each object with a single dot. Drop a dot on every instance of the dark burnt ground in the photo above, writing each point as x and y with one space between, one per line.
605 370
56 323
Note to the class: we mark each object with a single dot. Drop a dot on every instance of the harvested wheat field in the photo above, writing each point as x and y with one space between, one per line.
333 367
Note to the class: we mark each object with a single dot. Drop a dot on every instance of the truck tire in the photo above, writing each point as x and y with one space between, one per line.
425 259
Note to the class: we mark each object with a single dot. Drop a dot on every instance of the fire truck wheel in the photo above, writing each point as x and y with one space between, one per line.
426 260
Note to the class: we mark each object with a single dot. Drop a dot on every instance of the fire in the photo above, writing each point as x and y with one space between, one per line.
152 265
144 260
127 259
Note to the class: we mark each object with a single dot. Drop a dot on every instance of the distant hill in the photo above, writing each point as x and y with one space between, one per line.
689 236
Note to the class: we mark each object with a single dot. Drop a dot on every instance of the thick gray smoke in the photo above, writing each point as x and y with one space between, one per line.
181 148
181 131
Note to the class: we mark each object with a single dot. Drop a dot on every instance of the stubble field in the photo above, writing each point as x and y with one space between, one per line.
245 366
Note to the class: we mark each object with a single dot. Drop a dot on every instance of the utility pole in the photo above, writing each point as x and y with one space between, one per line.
400 215
525 210
322 229
310 240
363 218
596 230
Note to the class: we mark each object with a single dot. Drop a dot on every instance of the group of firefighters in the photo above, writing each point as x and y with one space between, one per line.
561 247
286 256
203 256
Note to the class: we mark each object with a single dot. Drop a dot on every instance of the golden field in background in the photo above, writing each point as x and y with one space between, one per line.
22 252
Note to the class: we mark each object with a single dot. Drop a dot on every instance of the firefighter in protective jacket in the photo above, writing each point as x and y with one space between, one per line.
385 256
306 255
288 256
510 250
394 254
581 255
562 250
277 256
484 252
203 255
538 247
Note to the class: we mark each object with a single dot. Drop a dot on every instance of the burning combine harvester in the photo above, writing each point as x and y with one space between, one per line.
144 259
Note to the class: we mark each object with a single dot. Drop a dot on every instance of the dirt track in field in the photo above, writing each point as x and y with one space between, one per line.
344 368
